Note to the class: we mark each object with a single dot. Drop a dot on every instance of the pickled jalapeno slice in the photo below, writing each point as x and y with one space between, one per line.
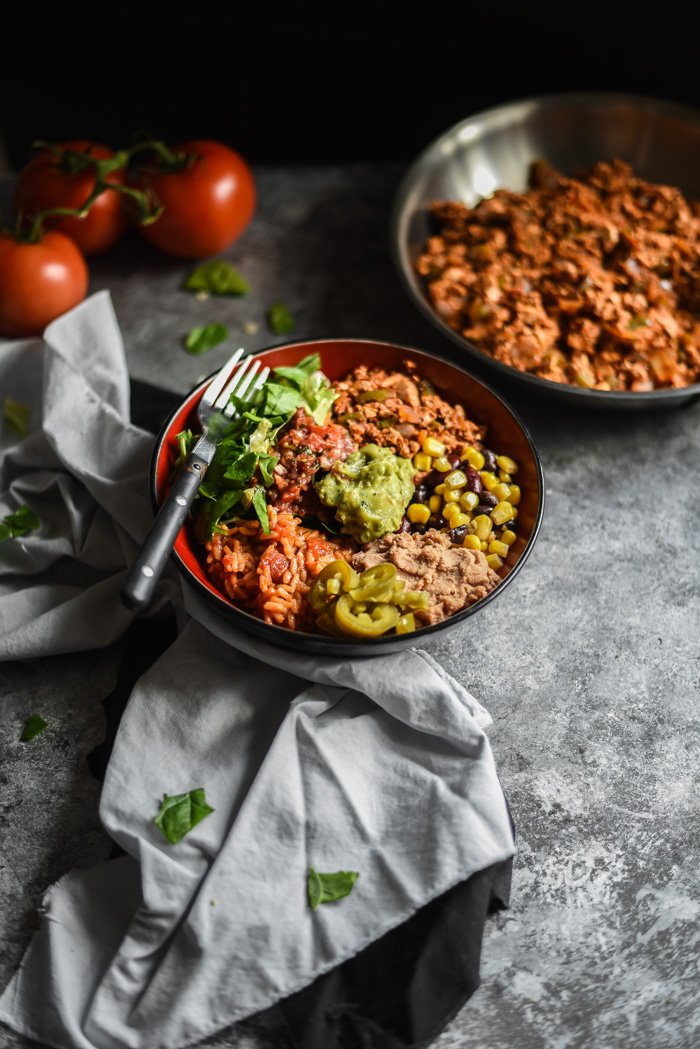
371 623
333 579
376 583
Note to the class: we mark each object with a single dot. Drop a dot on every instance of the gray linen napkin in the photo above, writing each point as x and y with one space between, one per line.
378 765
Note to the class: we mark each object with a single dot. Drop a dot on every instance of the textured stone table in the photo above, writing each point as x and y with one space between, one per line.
588 663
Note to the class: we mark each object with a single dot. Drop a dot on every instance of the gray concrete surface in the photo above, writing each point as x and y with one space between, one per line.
588 663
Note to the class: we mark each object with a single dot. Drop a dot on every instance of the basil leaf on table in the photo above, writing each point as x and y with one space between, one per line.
325 888
16 415
179 813
23 520
33 727
280 319
204 338
218 277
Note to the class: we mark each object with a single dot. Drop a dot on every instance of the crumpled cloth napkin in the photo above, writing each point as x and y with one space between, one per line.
378 765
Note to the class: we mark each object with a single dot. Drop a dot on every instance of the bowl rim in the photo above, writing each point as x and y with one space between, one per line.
225 605
399 219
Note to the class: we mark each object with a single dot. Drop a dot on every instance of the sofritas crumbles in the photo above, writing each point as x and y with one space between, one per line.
593 280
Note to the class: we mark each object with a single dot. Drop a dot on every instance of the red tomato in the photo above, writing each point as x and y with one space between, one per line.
207 204
39 282
43 183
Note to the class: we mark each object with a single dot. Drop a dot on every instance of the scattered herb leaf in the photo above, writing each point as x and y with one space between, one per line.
34 726
325 888
280 319
640 320
16 416
179 813
23 520
217 277
202 339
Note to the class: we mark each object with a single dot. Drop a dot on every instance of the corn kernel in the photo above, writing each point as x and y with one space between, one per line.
443 464
435 504
452 495
496 547
469 500
418 513
475 459
484 545
456 479
440 489
482 525
514 514
501 491
422 462
472 542
501 513
514 497
431 446
449 511
488 479
504 462
503 476
494 561
491 536
457 520
508 536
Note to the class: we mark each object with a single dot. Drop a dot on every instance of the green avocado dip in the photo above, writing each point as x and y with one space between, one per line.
369 492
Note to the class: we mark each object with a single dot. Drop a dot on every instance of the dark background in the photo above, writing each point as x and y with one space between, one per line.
356 83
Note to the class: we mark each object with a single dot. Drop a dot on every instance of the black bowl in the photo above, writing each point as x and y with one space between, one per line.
338 357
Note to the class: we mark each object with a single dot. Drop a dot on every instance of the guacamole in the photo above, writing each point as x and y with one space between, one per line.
369 492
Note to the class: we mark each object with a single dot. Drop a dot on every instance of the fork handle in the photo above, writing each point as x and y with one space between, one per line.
146 570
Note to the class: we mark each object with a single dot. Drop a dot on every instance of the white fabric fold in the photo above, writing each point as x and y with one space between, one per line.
376 765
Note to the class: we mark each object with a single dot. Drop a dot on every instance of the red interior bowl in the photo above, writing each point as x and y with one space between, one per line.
506 433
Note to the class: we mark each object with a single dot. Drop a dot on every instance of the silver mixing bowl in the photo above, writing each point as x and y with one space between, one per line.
661 140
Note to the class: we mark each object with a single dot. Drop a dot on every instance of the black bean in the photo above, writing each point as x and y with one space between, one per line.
474 482
437 521
419 529
458 534
482 508
405 525
488 499
489 460
421 494
433 478
454 461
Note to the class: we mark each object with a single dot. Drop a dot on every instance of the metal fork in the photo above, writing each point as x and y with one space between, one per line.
214 407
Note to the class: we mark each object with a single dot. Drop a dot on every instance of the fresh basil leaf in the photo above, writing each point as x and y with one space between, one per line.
217 277
179 813
281 400
266 465
16 416
23 520
301 372
201 340
185 440
208 491
243 468
33 727
280 319
325 888
260 507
